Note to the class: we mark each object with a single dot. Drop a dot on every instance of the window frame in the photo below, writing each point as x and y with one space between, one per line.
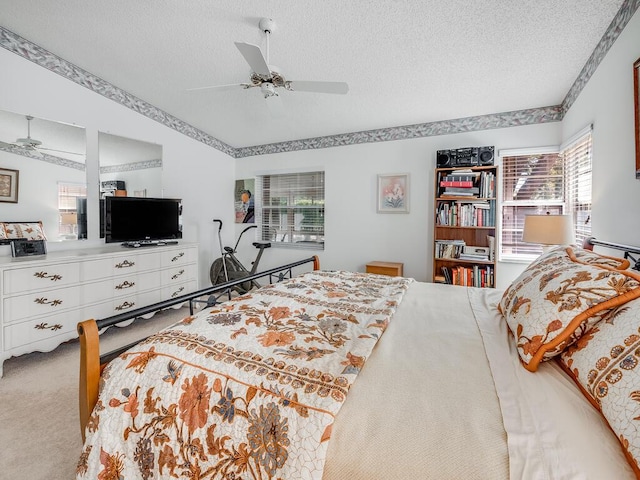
568 204
289 230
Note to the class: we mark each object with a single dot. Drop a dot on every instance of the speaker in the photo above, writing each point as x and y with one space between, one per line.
486 155
445 158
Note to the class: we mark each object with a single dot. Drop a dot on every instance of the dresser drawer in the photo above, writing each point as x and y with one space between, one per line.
172 291
39 278
39 303
120 286
119 265
31 331
171 276
171 258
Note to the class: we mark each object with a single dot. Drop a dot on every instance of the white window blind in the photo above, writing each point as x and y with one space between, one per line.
577 158
290 209
537 183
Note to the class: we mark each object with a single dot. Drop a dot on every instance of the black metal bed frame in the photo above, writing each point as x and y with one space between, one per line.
627 249
279 273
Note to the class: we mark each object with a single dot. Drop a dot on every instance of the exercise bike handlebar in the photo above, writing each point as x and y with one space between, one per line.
242 233
219 222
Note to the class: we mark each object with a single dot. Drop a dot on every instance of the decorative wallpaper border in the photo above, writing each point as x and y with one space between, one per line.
444 127
129 167
38 55
44 157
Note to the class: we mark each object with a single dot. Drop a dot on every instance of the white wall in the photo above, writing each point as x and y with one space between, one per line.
200 175
607 103
354 233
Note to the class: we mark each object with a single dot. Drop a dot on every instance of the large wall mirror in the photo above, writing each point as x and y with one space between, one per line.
129 167
49 159
636 95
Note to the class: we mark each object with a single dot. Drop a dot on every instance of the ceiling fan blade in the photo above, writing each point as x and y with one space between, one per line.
230 86
318 87
253 55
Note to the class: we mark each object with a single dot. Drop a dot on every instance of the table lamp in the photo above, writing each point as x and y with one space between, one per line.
548 230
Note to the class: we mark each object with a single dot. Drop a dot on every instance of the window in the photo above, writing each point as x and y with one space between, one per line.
557 181
68 193
290 209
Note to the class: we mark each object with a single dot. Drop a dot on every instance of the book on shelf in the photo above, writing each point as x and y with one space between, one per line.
461 191
466 213
446 274
448 248
472 256
475 276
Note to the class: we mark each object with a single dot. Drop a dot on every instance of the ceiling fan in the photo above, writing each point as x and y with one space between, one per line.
32 145
268 77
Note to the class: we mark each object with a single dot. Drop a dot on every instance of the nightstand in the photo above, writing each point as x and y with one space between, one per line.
393 269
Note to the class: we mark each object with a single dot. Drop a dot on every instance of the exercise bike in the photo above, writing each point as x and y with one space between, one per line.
227 267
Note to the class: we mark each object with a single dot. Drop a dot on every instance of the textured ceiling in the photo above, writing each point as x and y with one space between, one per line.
406 62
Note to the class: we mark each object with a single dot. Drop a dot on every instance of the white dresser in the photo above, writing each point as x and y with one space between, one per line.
43 298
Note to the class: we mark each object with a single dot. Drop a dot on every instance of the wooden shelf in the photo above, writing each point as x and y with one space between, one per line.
461 220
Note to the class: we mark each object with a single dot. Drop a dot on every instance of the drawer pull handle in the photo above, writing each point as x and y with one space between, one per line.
124 305
53 277
44 301
177 257
46 326
125 264
125 284
180 272
175 294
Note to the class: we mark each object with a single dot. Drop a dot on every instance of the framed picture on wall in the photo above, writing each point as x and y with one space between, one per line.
636 106
393 193
243 201
8 185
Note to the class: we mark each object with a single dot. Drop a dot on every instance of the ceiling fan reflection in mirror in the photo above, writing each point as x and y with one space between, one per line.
32 145
268 77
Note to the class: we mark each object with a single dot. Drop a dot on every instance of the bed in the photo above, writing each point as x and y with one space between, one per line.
335 375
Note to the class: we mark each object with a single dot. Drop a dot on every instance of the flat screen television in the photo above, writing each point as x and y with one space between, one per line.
135 219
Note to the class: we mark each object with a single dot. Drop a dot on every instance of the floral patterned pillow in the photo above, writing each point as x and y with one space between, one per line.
605 364
557 298
592 258
3 233
27 231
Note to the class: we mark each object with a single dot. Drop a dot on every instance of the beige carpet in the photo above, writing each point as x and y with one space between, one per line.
40 436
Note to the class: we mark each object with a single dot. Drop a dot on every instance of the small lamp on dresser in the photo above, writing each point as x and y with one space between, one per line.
548 230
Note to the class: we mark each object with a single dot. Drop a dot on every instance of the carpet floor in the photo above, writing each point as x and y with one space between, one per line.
39 419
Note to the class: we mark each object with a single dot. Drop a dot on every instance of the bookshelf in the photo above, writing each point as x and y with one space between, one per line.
465 226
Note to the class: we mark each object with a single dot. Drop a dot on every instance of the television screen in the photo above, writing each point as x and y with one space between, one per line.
133 219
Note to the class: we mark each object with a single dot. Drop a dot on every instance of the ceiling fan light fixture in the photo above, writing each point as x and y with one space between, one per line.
268 90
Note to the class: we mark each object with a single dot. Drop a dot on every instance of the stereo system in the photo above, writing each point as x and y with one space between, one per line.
465 157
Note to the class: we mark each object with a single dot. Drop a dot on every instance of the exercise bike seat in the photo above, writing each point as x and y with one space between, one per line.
262 244
228 250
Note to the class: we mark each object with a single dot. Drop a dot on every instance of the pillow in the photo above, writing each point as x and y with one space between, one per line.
556 299
3 233
592 258
605 364
27 231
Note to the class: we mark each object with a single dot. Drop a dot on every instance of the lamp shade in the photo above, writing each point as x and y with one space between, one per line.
548 229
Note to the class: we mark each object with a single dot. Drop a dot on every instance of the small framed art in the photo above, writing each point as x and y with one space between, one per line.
8 185
393 193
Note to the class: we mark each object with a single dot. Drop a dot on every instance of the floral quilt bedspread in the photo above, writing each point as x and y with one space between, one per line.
247 389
